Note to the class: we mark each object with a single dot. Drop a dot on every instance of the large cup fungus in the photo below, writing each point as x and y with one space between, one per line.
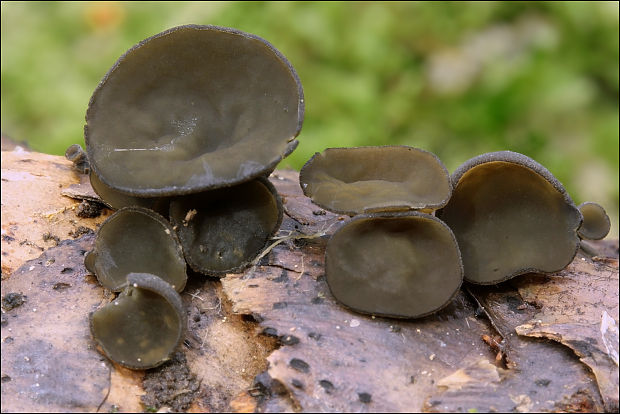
404 265
366 179
136 240
141 327
191 109
510 216
222 230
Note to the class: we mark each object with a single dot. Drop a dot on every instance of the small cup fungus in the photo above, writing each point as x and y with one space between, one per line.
403 265
367 179
596 222
141 327
222 230
510 216
136 239
191 109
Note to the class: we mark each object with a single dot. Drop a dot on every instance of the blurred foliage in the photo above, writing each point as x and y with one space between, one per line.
457 79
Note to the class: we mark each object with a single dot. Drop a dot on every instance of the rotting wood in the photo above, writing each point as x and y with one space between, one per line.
328 357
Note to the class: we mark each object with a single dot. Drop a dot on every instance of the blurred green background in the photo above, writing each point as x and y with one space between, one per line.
457 79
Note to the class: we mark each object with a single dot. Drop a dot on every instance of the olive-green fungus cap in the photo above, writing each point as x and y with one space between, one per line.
370 179
403 265
136 240
510 216
117 200
193 108
596 223
141 327
223 230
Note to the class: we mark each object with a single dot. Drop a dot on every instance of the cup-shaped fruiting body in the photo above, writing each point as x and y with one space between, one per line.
117 200
404 265
193 108
368 179
596 223
78 157
510 216
141 327
136 240
223 230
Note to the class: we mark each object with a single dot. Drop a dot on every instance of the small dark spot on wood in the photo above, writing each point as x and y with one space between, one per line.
282 278
270 332
542 382
395 328
278 388
297 383
327 386
314 335
5 378
8 340
7 238
316 300
47 236
412 379
279 305
319 212
61 286
289 340
252 286
66 270
364 397
81 230
89 209
299 365
13 300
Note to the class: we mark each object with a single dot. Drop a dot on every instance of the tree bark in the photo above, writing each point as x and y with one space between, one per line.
274 339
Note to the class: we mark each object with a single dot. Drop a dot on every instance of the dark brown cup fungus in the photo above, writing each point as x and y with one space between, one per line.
136 239
141 327
596 223
510 216
404 265
191 109
222 230
366 179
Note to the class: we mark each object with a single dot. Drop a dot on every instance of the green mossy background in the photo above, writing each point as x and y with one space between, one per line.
457 79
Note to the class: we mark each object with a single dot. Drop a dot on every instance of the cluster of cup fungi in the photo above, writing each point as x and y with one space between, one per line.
181 135
418 232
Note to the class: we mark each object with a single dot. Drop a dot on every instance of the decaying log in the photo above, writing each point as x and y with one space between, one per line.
274 339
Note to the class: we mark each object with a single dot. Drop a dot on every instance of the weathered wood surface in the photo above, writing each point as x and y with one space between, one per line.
274 339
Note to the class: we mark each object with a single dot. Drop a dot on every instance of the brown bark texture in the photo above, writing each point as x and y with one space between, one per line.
274 339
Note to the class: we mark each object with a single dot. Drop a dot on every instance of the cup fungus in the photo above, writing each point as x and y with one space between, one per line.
222 230
596 222
403 265
510 216
141 327
136 240
366 179
191 109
